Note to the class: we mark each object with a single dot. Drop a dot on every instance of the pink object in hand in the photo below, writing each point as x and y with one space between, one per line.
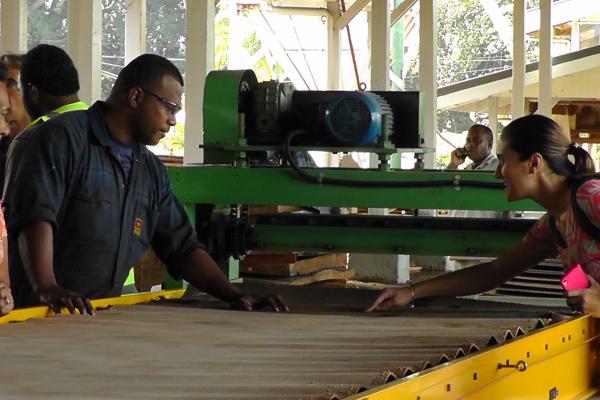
575 279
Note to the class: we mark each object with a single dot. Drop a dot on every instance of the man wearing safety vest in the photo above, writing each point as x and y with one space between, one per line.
50 83
51 89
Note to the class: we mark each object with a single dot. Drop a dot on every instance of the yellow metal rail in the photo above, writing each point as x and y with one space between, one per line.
558 362
24 314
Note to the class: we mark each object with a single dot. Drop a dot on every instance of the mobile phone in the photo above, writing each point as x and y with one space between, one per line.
461 152
575 279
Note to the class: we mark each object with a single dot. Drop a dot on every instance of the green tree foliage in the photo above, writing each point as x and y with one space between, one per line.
173 143
468 43
113 42
468 46
47 21
264 68
165 24
221 39
252 44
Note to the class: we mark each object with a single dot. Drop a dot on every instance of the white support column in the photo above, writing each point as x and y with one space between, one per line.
199 61
380 45
428 75
135 29
545 70
493 118
333 48
85 44
13 26
518 69
575 35
379 36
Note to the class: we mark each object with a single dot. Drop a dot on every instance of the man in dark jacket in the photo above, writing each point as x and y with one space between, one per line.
91 198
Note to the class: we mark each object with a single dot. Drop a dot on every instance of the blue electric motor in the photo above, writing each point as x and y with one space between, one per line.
326 118
356 118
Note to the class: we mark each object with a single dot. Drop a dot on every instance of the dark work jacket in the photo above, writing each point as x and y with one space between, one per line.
5 141
64 172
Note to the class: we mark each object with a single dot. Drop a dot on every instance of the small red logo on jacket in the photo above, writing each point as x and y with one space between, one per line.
137 227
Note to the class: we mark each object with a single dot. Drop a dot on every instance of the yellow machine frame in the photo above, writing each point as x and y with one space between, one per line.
557 362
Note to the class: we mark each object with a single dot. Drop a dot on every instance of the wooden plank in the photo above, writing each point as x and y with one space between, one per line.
320 276
282 270
310 265
269 258
300 267
262 210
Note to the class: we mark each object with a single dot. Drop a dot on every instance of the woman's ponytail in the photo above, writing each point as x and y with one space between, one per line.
582 161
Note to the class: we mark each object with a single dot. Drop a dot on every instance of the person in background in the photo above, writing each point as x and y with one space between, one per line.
537 161
91 199
478 148
50 83
17 116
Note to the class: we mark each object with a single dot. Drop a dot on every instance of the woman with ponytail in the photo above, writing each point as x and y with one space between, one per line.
538 161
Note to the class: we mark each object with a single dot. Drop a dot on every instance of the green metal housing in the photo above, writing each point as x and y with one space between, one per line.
223 119
226 104
282 186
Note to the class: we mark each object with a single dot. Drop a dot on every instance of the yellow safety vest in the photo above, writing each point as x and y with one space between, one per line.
78 105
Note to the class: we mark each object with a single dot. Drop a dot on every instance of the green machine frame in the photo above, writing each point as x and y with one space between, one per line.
239 184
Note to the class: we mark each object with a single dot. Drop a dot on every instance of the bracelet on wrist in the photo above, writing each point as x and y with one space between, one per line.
413 296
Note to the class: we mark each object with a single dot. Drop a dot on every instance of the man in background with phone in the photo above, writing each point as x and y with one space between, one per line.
478 147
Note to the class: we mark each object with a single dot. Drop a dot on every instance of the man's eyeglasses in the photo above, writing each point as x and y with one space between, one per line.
172 108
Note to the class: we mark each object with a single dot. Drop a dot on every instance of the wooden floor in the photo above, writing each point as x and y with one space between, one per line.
325 348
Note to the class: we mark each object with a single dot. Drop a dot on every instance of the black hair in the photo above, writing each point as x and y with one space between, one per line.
486 130
539 134
3 73
145 71
50 69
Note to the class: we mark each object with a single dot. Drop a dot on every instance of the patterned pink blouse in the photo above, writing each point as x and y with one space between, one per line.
581 248
3 234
